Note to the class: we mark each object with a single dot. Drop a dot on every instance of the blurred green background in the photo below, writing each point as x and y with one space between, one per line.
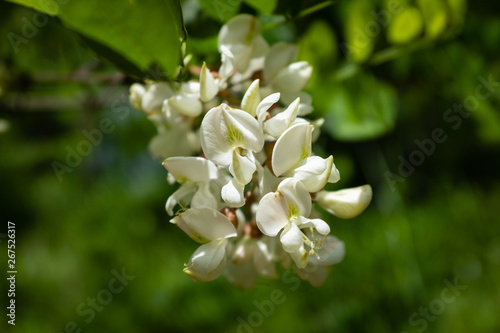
383 78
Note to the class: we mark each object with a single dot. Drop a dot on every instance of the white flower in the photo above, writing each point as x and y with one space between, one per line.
286 210
174 139
331 252
170 110
292 158
212 229
251 99
228 138
241 43
186 101
137 91
154 96
282 73
209 86
251 258
253 104
282 121
346 203
194 175
247 197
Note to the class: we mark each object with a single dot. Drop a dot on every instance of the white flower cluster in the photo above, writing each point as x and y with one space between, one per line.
248 196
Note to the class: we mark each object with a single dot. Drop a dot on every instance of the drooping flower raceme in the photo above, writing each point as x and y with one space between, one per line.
237 142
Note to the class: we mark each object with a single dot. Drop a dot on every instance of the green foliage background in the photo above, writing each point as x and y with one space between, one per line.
378 91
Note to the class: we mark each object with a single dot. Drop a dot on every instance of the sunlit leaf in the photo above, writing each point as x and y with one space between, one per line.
434 14
405 26
361 29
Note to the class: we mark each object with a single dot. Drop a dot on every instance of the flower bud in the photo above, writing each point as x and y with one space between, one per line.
208 86
346 203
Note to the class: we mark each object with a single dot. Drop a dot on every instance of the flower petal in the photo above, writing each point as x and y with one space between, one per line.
293 78
300 257
175 141
155 95
317 128
137 91
291 238
297 198
321 226
240 29
208 261
243 250
313 172
242 129
263 259
204 197
346 203
186 104
213 140
316 275
227 63
224 129
334 174
183 193
293 146
242 168
208 85
194 169
267 181
332 251
280 55
241 36
271 214
251 99
241 55
305 106
204 224
232 193
280 122
266 105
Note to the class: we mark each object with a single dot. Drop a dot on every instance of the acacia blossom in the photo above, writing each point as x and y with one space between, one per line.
237 142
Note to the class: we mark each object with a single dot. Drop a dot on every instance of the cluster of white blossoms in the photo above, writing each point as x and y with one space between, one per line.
247 194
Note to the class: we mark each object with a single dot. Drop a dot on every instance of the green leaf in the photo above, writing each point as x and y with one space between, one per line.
263 6
318 46
435 17
276 28
142 34
122 63
50 7
458 9
405 26
221 10
361 108
358 35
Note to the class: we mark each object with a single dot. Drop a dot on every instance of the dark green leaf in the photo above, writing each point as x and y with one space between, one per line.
361 108
140 33
263 6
